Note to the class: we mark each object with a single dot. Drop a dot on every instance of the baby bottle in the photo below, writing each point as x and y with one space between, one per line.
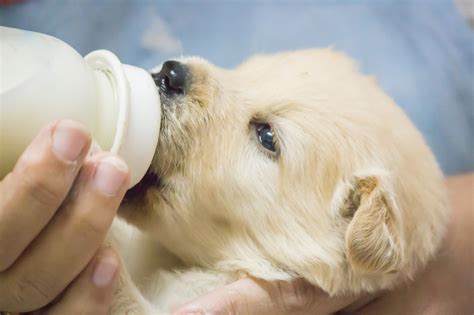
43 79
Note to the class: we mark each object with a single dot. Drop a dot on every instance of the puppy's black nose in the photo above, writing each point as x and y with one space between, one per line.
172 79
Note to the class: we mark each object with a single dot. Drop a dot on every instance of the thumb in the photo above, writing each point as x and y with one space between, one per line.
253 296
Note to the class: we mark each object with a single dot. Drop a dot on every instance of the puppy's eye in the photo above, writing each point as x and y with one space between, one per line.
265 136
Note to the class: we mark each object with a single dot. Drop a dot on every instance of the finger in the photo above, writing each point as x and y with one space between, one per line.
41 179
92 291
64 248
252 296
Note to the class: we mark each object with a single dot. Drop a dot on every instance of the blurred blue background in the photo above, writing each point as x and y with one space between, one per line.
420 51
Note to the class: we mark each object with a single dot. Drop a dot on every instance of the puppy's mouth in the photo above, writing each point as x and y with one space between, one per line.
138 192
171 82
150 180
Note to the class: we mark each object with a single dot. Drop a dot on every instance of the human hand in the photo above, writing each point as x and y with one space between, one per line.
56 207
444 287
254 296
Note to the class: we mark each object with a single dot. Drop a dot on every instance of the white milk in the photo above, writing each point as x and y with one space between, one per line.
43 79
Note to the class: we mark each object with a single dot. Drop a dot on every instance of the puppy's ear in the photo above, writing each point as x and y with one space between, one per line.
373 239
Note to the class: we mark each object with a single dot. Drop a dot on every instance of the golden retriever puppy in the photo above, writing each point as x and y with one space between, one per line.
292 165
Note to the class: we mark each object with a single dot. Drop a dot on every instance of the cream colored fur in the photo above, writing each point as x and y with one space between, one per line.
353 201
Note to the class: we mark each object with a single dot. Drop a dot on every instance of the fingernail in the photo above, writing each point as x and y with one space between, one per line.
69 139
110 175
104 272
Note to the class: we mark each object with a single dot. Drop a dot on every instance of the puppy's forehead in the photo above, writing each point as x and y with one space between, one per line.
319 63
278 72
304 77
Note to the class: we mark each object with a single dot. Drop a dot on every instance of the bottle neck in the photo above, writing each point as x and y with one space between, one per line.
106 110
128 111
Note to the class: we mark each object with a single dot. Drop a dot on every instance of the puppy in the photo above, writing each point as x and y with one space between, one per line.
292 165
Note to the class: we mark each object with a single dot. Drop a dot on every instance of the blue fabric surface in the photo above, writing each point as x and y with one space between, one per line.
421 51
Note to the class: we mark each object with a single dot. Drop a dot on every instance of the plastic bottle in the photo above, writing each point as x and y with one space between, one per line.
43 79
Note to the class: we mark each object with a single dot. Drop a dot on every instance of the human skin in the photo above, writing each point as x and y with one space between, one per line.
446 286
56 207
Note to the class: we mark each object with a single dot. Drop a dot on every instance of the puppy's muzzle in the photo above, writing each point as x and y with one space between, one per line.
173 79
